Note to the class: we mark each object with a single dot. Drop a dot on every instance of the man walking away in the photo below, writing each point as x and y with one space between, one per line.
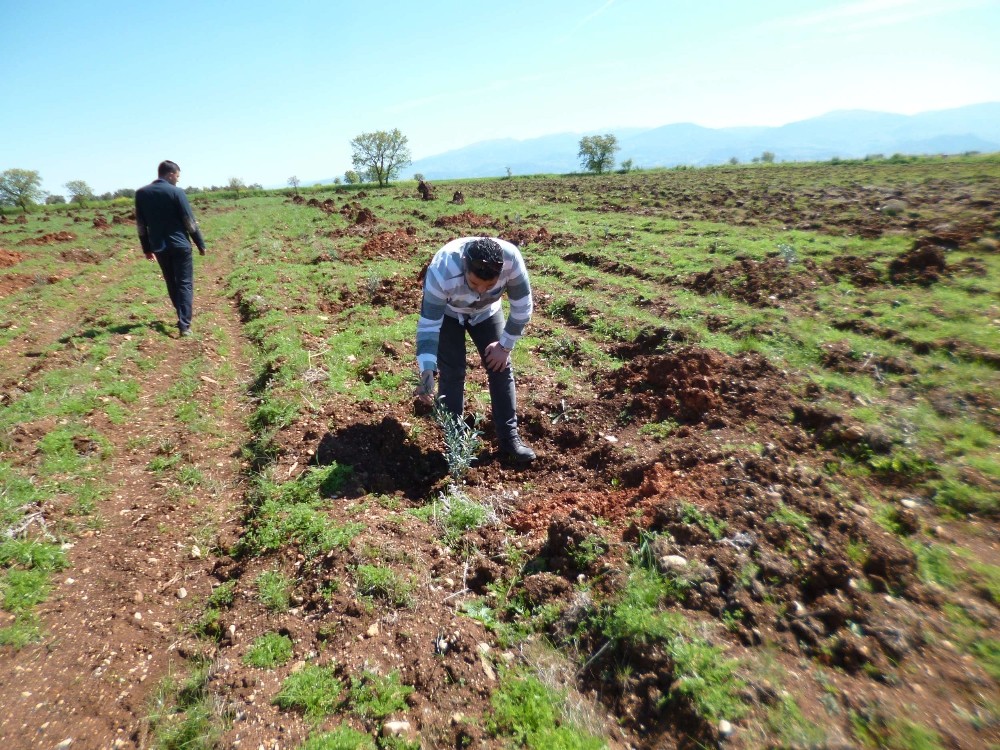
164 220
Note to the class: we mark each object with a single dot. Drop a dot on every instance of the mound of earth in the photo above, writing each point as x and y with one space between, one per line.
80 255
922 264
694 384
10 258
15 282
49 239
466 219
400 244
759 283
857 269
527 236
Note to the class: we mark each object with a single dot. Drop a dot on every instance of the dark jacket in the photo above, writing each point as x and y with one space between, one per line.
164 218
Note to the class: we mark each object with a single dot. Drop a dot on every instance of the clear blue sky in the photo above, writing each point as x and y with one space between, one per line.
263 90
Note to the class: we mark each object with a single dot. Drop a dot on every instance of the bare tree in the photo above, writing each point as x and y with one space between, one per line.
293 181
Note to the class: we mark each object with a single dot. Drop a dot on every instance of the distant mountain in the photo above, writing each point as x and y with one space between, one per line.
848 134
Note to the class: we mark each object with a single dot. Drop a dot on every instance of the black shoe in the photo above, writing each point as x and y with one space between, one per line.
518 451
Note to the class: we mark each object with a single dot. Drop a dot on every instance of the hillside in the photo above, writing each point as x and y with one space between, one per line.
845 134
764 512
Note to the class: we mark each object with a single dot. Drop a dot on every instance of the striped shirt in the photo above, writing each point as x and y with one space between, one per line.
446 293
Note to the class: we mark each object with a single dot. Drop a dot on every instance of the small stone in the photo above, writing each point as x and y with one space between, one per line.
910 503
139 597
64 744
195 552
373 630
457 718
182 593
725 729
673 562
137 615
853 434
395 728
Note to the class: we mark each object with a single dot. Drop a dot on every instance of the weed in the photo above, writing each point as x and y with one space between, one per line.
383 583
934 564
341 738
789 517
692 514
223 595
274 590
786 722
533 716
587 552
184 715
291 513
373 697
269 651
314 689
659 430
455 513
893 733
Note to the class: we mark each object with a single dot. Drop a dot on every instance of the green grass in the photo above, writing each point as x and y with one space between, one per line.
341 738
274 590
269 651
531 715
374 697
184 715
385 584
704 678
292 514
315 690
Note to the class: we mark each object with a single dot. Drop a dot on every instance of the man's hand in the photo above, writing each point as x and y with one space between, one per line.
424 391
201 251
496 357
149 256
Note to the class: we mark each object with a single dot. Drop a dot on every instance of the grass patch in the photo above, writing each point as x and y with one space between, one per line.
184 715
269 651
383 583
274 589
315 690
533 716
373 697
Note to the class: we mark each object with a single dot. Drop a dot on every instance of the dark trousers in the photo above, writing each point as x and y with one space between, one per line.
177 265
451 370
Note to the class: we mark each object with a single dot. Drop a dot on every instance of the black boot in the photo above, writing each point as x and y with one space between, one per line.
517 451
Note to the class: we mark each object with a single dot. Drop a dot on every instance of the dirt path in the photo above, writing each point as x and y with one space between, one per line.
114 623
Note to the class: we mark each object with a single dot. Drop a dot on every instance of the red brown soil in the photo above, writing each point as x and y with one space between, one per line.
923 264
15 282
760 283
10 258
49 239
466 219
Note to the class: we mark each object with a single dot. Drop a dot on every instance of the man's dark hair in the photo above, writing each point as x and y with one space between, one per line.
484 258
167 167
